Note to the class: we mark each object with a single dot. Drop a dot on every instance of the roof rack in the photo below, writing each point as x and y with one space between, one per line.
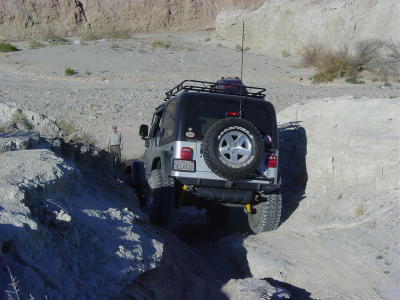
212 87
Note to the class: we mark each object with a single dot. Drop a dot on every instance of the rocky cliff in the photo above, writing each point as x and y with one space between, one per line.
286 26
20 19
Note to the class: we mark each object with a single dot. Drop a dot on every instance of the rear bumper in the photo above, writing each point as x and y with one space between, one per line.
234 185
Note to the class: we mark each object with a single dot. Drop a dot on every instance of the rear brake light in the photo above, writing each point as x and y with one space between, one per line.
186 153
232 114
272 161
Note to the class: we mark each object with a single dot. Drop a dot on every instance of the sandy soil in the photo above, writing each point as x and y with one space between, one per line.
121 81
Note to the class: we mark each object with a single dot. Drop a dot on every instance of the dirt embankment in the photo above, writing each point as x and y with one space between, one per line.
26 19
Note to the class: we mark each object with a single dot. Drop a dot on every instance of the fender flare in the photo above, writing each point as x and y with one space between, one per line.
165 163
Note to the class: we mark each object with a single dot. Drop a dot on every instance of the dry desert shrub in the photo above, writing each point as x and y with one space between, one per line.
382 59
310 54
20 121
162 44
335 64
6 127
95 35
35 44
85 138
360 211
67 127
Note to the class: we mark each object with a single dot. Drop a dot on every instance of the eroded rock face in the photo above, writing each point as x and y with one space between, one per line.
66 237
344 227
22 19
11 114
289 25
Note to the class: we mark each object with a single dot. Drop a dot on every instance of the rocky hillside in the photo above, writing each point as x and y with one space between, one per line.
286 26
23 19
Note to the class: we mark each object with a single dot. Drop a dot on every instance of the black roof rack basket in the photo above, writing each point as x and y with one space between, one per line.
211 87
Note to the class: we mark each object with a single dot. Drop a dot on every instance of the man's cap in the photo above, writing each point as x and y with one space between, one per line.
114 127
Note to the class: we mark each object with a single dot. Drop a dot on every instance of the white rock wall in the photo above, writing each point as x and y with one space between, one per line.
289 25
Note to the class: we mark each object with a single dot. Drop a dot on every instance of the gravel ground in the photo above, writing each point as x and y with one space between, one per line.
122 81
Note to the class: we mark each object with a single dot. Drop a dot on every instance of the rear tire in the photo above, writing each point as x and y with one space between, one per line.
266 215
160 199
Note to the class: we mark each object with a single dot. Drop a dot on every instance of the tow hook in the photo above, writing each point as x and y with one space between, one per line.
248 208
182 195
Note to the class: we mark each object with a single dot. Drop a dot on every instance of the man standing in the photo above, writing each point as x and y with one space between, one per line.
115 146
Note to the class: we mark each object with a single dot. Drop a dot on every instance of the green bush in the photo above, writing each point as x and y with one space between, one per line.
70 72
354 80
6 47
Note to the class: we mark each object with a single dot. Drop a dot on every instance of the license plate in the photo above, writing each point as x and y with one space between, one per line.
184 165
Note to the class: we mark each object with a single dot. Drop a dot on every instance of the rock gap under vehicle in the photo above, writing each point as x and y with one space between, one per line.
208 145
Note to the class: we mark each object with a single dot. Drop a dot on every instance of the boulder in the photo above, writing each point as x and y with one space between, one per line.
18 140
253 289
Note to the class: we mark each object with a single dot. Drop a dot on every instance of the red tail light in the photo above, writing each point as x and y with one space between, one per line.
272 161
232 114
186 153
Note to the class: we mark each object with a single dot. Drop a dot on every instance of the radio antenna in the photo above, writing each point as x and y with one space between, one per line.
241 72
241 69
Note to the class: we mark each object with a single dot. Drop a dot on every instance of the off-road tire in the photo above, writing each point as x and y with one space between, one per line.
266 215
217 215
210 148
138 180
160 198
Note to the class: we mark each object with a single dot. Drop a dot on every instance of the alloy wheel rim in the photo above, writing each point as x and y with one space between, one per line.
234 147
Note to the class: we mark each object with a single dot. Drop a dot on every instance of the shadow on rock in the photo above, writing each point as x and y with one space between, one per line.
195 261
293 151
296 292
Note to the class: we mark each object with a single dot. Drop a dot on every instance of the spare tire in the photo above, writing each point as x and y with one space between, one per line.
233 148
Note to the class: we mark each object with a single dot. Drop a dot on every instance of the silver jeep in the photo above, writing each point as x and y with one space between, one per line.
211 147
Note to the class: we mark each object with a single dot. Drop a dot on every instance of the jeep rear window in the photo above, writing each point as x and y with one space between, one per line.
203 111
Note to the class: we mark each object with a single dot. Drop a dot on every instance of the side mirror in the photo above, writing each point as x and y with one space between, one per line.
144 131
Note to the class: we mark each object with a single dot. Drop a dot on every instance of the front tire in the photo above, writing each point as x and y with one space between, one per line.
160 199
266 216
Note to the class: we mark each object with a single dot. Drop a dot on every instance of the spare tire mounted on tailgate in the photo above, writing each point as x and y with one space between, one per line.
233 148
